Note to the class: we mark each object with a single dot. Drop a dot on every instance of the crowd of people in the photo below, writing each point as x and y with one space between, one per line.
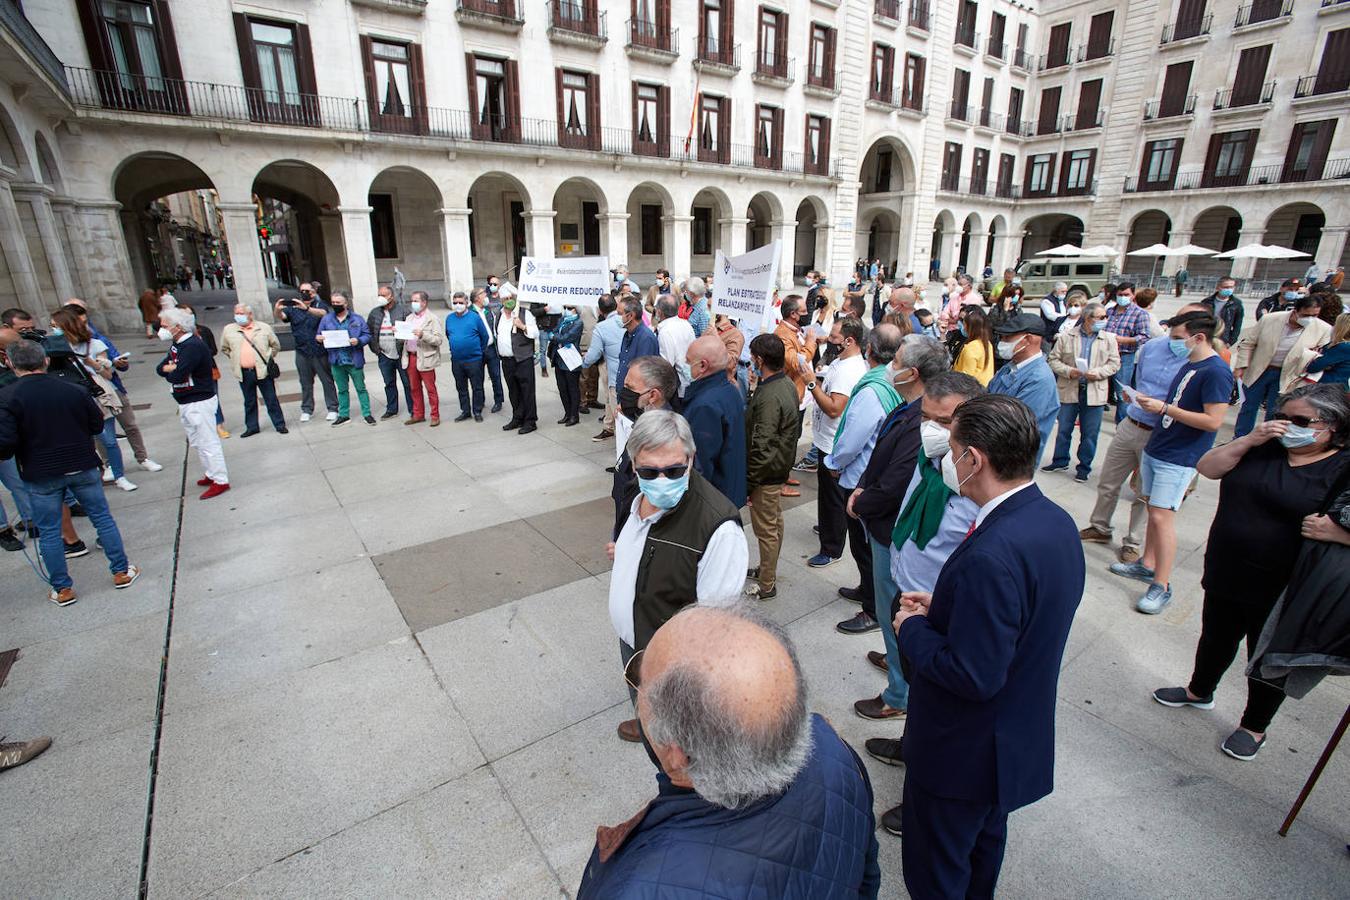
928 423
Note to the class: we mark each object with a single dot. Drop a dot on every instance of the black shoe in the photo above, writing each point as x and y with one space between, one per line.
890 820
76 549
570 422
511 426
389 414
341 420
564 420
885 750
370 420
77 511
1054 468
611 469
852 595
762 594
526 429
250 433
9 540
462 417
478 417
816 529
752 572
496 407
281 429
594 405
862 623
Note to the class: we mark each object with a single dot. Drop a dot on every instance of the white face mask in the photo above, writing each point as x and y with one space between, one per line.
1075 312
416 306
950 478
165 334
1305 321
1007 349
935 440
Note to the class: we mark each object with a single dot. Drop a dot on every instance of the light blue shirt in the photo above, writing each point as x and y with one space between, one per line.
1085 350
917 570
1155 366
854 442
606 338
1033 383
699 319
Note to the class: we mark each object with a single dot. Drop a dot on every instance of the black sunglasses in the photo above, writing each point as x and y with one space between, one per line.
650 472
1300 421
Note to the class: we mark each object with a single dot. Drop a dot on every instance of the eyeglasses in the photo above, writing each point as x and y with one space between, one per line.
1300 421
650 472
632 670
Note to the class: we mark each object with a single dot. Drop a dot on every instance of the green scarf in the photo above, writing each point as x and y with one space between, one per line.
922 515
878 377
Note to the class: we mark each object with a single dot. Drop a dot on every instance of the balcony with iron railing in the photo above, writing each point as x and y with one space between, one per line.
773 68
1090 51
573 22
1255 176
1084 120
647 40
919 15
1023 60
1228 98
162 99
996 49
1048 125
715 55
496 15
1185 29
1018 128
967 40
1158 109
1054 191
959 112
910 102
819 76
889 10
1320 84
1054 60
987 118
28 39
1263 11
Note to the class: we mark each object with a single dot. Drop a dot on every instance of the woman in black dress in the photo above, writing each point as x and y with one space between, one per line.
1270 480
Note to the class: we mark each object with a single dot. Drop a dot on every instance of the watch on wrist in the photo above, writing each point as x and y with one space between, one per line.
811 386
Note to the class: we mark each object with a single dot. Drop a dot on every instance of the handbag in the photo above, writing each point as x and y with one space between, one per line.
273 370
108 400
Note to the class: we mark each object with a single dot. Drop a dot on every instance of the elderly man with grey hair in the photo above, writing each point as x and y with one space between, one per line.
673 337
696 295
250 347
756 796
681 543
189 370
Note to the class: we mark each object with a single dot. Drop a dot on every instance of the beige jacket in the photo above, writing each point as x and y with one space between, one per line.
428 346
1256 348
265 346
1105 361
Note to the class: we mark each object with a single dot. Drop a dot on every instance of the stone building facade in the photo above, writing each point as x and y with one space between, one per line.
449 137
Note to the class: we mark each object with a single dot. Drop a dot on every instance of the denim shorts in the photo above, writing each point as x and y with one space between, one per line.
1163 483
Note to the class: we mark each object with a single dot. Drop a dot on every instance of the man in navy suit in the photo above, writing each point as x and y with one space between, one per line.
984 652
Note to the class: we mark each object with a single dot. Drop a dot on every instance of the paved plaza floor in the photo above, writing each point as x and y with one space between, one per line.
390 672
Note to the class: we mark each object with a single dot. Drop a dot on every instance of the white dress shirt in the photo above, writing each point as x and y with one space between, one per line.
993 504
504 330
721 568
673 336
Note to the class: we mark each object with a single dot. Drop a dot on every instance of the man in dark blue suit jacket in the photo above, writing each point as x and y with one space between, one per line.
984 651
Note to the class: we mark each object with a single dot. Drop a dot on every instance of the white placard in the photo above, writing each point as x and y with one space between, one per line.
623 427
1081 364
336 340
570 358
574 281
743 285
403 331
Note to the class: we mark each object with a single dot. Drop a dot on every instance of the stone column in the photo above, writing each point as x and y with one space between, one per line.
975 253
39 196
786 234
733 235
1332 246
455 256
356 240
614 237
679 240
334 253
69 235
15 249
822 253
539 233
241 233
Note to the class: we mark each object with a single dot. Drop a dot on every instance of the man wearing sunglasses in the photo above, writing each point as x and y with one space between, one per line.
682 542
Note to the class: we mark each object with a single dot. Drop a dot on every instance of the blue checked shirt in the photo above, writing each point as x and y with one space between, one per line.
1131 321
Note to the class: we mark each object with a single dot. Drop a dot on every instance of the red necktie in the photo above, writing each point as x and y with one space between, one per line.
970 530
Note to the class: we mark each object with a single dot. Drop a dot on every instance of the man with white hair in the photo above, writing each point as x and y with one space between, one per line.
681 543
756 797
673 336
696 295
250 347
188 369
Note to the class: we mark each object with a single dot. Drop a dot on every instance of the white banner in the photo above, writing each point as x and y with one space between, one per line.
743 285
574 280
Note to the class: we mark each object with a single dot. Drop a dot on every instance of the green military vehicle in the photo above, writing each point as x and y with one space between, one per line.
1088 274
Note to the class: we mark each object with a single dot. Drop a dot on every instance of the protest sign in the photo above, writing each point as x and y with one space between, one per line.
575 280
743 286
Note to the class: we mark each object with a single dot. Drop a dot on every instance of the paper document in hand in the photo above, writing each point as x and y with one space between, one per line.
403 331
570 358
1081 364
336 340
1130 393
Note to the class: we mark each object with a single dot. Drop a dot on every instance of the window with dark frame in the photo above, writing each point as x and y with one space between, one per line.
1040 173
701 231
1006 163
817 149
883 62
132 39
911 94
714 125
979 171
645 123
1309 143
951 166
576 106
1160 162
768 139
649 226
1231 159
383 235
820 55
772 43
1078 171
395 87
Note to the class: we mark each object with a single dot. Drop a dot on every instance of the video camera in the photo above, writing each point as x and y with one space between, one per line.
62 362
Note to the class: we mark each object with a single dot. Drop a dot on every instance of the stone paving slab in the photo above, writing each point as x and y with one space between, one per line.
580 531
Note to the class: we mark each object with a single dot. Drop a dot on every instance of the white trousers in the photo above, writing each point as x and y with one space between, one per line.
199 421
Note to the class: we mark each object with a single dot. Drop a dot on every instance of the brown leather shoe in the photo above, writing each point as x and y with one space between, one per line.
878 659
631 731
790 492
1129 554
876 708
435 421
413 420
1094 535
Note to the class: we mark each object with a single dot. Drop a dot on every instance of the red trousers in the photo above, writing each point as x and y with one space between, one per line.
416 381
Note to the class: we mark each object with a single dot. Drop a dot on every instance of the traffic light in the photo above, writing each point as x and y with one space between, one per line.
263 233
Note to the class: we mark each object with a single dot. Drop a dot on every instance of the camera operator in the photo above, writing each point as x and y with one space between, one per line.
47 426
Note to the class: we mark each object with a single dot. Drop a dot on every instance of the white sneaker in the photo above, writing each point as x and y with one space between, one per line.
332 417
125 485
304 417
150 465
108 476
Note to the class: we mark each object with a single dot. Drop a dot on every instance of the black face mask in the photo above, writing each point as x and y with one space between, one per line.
830 354
628 402
803 320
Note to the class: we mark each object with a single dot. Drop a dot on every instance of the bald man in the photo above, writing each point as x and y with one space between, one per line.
755 796
716 414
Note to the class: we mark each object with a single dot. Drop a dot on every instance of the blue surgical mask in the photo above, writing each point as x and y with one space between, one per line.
1296 436
664 493
686 374
1225 292
1291 295
961 327
1122 301
1178 347
57 332
755 370
240 320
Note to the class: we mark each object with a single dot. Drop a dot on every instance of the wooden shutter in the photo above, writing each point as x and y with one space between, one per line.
1248 154
1333 74
1326 130
564 139
1099 34
1058 53
998 24
1091 170
1211 160
1026 176
702 31
1176 87
778 138
476 131
1046 123
827 76
728 29
663 120
663 23
888 73
724 130
168 44
1089 101
1251 74
513 99
823 163
638 146
418 78
987 102
920 64
1190 15
780 44
808 165
368 67
248 65
593 129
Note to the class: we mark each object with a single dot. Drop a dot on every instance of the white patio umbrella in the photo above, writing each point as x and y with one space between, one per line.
1100 250
1063 250
1155 251
1260 251
1189 250
1274 251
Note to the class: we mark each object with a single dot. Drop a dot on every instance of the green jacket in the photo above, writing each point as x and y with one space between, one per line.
771 431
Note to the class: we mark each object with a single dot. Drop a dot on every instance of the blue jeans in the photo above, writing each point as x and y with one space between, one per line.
47 496
388 369
1089 420
1124 376
9 477
108 438
896 694
1265 391
743 382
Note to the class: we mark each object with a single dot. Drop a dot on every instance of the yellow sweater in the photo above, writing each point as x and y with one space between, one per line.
976 359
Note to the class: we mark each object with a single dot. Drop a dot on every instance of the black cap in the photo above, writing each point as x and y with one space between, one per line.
1022 323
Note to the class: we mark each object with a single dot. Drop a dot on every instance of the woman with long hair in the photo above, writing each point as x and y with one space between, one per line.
93 353
976 356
